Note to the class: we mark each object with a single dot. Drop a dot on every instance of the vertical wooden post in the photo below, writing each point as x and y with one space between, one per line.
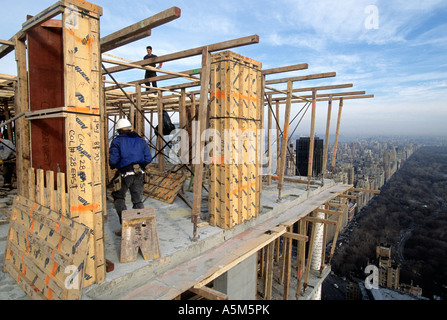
337 230
151 132
301 257
198 167
326 140
22 126
269 142
312 138
161 158
334 154
268 281
278 138
183 120
285 139
139 117
288 265
309 256
323 252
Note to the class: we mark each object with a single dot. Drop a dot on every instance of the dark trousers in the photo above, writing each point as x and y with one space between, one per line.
8 170
135 184
150 74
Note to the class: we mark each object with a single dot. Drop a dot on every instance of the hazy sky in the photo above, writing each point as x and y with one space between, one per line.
396 50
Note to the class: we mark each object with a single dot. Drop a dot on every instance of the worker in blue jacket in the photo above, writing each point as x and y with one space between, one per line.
130 154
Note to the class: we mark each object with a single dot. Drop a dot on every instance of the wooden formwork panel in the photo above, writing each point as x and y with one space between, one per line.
235 113
85 166
162 185
46 251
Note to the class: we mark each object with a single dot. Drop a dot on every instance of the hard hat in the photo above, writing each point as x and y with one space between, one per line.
123 124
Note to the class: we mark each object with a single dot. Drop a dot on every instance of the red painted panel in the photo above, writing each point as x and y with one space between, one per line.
46 75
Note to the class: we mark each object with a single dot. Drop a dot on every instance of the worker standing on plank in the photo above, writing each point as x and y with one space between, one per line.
151 73
8 158
130 154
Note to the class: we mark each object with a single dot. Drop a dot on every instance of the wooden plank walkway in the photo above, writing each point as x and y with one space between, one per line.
214 262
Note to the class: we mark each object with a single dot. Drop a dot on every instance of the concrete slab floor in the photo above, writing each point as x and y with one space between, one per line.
174 230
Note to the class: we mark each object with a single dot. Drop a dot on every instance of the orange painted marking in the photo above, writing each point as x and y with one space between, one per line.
223 94
82 208
50 294
59 243
244 187
87 42
217 160
22 273
84 110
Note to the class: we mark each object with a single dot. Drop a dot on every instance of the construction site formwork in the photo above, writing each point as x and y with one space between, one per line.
240 216
235 115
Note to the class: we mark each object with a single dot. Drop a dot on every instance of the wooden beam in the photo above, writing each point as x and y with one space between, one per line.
284 92
5 49
209 294
138 29
198 167
128 40
186 76
348 196
337 133
45 15
329 211
319 220
285 139
338 94
7 77
193 52
296 236
312 138
337 86
366 190
8 43
326 140
366 96
295 67
303 78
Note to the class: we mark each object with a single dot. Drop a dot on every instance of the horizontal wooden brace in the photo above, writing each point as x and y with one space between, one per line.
296 236
295 67
337 205
186 76
366 190
209 294
318 220
118 38
348 196
329 211
8 43
330 87
61 112
193 52
303 78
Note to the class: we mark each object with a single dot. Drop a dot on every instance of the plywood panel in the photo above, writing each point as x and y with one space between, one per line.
46 90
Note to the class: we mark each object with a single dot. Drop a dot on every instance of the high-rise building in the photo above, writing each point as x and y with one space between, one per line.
302 156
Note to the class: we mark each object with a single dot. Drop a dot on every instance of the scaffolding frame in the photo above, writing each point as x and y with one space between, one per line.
116 99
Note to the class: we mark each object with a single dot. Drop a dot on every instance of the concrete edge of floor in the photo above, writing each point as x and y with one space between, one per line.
114 289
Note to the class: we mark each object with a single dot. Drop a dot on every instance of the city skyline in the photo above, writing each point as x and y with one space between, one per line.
394 50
